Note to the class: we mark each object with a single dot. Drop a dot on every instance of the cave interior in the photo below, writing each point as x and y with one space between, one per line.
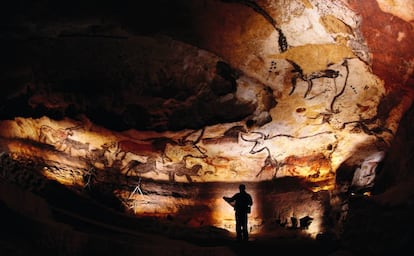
123 124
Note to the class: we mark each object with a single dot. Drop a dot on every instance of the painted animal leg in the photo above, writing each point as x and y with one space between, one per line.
310 85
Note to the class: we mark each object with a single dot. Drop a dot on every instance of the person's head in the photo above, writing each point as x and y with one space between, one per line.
242 187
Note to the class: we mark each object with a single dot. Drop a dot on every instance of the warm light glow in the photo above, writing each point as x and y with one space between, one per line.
224 216
70 154
324 187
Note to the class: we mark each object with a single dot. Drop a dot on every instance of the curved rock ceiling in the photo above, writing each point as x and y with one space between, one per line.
207 91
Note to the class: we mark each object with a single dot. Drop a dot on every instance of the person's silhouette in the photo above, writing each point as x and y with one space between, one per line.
241 201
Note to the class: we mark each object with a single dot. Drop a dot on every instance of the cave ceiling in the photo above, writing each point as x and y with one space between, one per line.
206 91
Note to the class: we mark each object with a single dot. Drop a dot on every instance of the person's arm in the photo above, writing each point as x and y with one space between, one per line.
229 199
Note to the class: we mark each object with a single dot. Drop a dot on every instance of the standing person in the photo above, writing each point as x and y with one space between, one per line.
241 201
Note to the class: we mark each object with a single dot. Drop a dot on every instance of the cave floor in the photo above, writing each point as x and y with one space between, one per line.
68 234
73 225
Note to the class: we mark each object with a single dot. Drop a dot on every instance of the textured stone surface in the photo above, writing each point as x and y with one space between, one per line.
212 92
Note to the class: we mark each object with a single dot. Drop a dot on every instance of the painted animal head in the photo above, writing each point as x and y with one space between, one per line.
258 139
185 147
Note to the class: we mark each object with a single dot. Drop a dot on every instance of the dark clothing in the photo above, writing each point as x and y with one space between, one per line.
242 203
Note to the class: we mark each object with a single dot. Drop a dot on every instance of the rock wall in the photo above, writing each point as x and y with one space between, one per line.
214 92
